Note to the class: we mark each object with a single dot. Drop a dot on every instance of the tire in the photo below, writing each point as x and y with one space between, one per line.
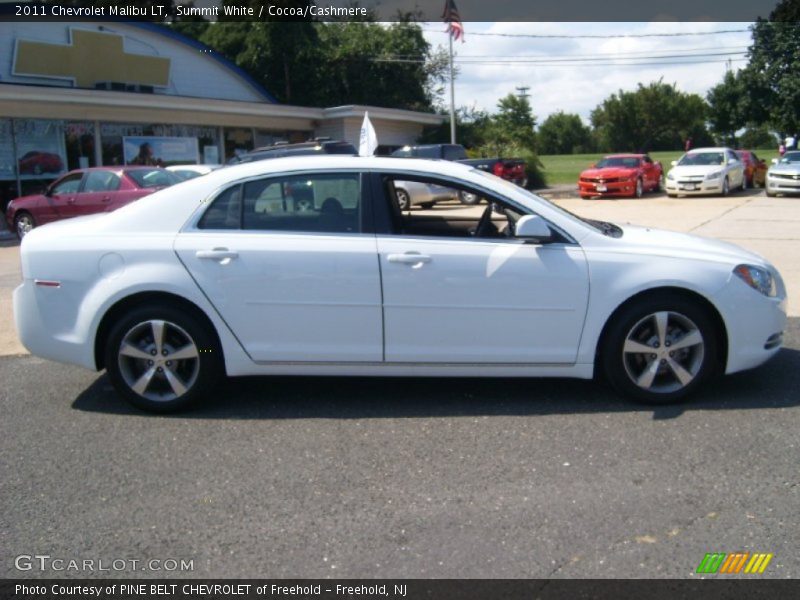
585 197
403 199
672 195
661 186
744 182
725 187
671 321
169 385
770 193
639 191
23 223
468 198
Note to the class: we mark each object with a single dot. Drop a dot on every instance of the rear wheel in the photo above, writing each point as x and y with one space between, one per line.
23 224
162 359
660 350
744 182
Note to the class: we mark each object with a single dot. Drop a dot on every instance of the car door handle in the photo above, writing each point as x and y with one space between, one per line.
106 198
217 254
409 258
70 200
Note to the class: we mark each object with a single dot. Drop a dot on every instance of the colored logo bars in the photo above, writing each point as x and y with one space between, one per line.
719 562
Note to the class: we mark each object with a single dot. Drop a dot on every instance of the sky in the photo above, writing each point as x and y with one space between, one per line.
578 87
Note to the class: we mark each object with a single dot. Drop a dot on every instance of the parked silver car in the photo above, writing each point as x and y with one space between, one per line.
415 193
783 176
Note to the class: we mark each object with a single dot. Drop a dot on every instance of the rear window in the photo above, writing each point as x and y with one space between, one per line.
151 178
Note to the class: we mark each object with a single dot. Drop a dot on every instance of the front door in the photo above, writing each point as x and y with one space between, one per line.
460 289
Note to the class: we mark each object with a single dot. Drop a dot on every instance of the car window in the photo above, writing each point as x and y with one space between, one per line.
225 211
703 159
150 178
69 185
425 207
319 202
101 181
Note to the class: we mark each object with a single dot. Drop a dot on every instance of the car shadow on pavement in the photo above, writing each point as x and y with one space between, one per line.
774 385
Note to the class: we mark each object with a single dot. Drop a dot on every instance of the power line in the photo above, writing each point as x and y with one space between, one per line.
598 36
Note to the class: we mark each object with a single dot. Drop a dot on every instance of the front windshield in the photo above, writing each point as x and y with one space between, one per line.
790 157
618 161
600 226
702 159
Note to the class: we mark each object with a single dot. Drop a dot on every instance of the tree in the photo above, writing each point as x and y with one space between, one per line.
563 133
726 114
514 123
758 137
773 71
654 117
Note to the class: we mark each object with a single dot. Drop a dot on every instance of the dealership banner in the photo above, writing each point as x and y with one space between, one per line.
399 589
160 151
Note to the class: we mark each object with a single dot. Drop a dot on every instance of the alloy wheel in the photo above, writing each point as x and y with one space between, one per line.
24 225
158 360
663 352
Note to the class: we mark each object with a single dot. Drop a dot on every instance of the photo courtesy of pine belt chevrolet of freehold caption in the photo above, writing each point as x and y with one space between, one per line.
309 266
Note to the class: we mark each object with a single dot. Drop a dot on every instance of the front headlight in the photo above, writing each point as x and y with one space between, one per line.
757 278
714 175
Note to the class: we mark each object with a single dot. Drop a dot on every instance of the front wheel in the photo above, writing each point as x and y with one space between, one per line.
23 224
725 187
468 198
162 359
637 193
660 350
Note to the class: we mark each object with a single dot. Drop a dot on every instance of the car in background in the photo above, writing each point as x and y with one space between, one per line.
424 195
312 147
84 192
191 171
170 294
621 176
37 163
441 151
755 169
706 171
783 176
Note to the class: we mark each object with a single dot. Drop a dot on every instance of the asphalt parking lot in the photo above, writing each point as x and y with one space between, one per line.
358 477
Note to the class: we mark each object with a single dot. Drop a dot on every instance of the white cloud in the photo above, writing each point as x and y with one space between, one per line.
579 89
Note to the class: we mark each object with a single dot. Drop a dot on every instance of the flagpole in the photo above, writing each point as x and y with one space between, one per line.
452 94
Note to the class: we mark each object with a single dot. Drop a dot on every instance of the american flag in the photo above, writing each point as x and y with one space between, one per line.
453 20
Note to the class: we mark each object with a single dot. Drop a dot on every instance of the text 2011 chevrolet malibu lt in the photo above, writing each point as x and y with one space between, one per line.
308 266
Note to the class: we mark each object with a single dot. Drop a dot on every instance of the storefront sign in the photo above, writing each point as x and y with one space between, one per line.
161 151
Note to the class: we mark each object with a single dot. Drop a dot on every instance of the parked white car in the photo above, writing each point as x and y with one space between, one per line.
783 176
191 171
706 171
225 274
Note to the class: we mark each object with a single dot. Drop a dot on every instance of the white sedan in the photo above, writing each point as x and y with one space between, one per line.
307 266
706 171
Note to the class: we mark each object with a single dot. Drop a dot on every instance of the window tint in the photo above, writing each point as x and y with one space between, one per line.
322 202
225 211
68 185
427 208
101 181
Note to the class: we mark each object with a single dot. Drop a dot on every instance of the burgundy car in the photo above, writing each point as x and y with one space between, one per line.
621 175
36 163
84 192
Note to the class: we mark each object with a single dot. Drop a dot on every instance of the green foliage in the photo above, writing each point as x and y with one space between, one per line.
563 133
513 124
654 117
726 113
758 138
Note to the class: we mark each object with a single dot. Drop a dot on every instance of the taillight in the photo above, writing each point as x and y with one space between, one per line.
498 169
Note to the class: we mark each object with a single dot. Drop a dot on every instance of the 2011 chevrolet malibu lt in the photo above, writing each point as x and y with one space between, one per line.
307 266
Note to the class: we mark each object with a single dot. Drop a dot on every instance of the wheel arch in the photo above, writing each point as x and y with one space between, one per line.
146 298
660 292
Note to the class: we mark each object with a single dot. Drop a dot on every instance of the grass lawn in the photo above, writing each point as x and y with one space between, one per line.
565 168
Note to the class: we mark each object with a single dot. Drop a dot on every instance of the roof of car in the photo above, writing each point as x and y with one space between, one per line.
625 155
701 150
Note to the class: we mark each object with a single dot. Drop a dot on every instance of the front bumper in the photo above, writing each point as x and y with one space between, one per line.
693 188
783 185
755 323
622 189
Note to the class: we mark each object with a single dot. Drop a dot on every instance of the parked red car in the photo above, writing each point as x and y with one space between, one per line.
36 163
621 175
84 192
755 169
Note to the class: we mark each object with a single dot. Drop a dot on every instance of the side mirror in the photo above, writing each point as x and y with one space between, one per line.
732 161
674 163
774 161
534 228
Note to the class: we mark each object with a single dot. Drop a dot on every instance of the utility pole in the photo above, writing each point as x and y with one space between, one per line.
522 92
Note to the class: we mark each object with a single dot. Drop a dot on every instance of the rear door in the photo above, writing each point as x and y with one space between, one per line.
289 264
97 194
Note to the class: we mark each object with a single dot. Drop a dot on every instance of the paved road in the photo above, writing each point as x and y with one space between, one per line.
311 477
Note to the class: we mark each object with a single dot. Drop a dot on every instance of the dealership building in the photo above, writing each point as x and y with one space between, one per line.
76 95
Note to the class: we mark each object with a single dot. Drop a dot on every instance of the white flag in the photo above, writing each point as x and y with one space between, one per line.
368 141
